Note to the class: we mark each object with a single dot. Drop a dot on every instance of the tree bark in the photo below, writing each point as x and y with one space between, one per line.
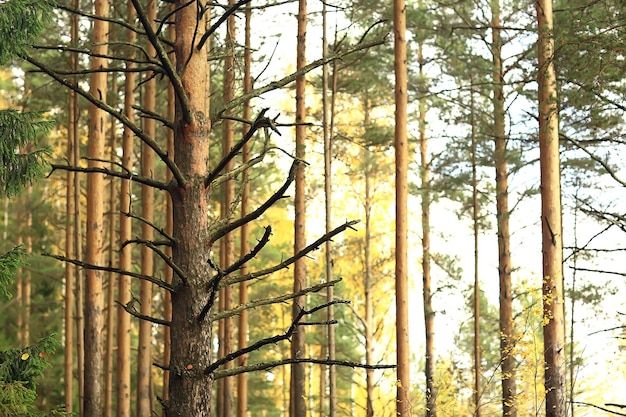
94 296
297 404
507 341
403 406
552 243
191 389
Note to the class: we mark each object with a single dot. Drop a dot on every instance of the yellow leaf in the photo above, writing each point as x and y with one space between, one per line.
25 356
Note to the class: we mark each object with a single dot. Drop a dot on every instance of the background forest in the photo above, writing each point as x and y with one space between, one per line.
268 208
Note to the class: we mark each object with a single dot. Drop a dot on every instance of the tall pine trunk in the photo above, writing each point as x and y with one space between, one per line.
552 242
191 390
403 405
94 297
297 403
507 342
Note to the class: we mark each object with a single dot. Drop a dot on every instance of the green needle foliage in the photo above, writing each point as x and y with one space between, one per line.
9 264
19 131
21 22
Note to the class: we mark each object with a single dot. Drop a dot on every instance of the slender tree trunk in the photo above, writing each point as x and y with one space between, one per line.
190 390
507 340
125 234
332 379
369 285
227 243
94 296
298 378
111 278
26 272
429 314
475 210
403 405
72 141
144 353
552 243
242 340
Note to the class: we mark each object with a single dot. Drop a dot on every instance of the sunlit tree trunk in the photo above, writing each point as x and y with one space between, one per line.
94 296
298 378
26 273
242 335
552 243
144 353
403 405
125 234
507 342
368 284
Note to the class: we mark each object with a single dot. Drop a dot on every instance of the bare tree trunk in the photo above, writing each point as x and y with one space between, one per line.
328 139
144 353
429 314
190 390
94 296
475 210
552 243
298 372
403 405
507 341
110 298
72 141
125 234
227 243
26 273
369 285
242 339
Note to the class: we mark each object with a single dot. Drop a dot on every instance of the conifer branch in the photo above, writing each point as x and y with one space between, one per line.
156 228
167 259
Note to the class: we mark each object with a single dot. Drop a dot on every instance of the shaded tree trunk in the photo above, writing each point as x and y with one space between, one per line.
552 242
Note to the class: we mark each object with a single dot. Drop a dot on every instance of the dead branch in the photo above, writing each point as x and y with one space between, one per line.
292 77
114 270
214 284
285 264
130 309
223 231
156 228
106 171
599 408
223 373
219 22
260 122
165 157
166 64
167 259
269 340
273 300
